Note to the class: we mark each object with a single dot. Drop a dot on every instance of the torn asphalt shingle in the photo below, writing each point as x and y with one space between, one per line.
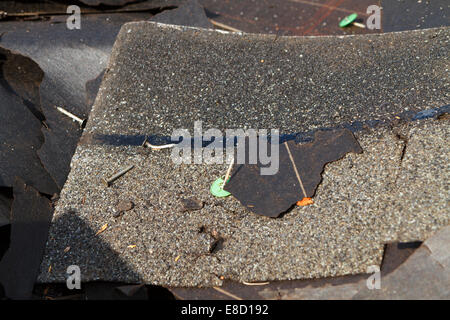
425 275
30 219
394 255
272 195
68 59
365 200
168 77
18 151
421 276
359 207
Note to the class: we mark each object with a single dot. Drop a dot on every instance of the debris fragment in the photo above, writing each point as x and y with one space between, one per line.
103 228
216 245
224 26
131 246
255 283
294 166
147 144
82 122
214 234
109 181
191 204
217 190
227 175
351 20
305 202
66 249
227 293
124 206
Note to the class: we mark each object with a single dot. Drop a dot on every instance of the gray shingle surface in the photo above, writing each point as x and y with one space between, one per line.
161 78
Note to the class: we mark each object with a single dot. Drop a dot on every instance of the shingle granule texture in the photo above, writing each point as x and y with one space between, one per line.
161 78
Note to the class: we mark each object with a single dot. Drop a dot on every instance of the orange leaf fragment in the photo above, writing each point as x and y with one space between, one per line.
305 202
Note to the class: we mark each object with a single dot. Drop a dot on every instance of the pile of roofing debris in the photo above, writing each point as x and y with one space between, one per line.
362 179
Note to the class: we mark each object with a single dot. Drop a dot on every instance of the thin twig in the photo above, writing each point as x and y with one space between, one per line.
295 168
63 13
227 293
255 283
228 172
224 26
328 6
